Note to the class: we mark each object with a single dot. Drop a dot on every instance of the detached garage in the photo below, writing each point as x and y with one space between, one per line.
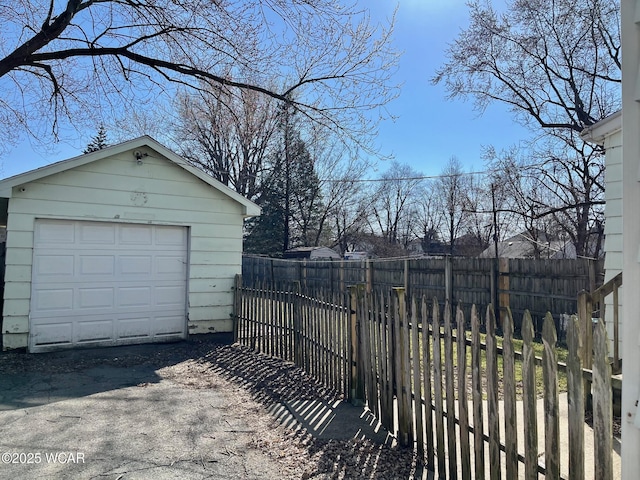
129 244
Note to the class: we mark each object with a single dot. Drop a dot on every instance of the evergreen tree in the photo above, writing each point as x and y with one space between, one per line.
98 142
291 202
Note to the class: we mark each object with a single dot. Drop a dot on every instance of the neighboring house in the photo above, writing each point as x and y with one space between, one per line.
128 244
523 246
356 256
608 133
311 253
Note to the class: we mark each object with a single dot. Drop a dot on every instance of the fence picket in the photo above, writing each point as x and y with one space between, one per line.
437 390
406 371
450 393
417 380
375 348
388 316
395 355
551 402
529 398
492 397
509 391
476 393
365 337
426 373
602 404
463 404
575 396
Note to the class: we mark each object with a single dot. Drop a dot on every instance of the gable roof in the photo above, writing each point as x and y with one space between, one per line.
6 185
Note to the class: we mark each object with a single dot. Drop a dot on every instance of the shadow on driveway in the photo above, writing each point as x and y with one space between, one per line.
344 441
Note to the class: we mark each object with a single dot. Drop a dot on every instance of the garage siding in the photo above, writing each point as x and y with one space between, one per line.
117 189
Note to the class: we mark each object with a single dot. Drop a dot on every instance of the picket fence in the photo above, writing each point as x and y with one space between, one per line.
438 379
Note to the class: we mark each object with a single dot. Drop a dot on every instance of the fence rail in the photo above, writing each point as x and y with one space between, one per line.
440 385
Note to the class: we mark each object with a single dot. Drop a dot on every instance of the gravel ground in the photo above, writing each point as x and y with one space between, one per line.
258 383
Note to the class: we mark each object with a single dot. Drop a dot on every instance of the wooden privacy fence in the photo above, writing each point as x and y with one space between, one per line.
537 285
440 385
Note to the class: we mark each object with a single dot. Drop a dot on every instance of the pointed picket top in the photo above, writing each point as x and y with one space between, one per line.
551 401
602 404
477 394
490 320
492 397
575 394
509 389
529 399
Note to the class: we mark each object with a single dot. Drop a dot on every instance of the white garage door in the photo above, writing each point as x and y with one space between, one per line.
107 284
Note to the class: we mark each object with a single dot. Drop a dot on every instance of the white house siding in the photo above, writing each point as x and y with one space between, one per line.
608 132
613 224
117 189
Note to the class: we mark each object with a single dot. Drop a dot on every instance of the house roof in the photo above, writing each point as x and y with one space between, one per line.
521 246
6 185
311 252
600 130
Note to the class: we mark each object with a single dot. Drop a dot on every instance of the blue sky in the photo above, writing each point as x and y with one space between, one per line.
429 129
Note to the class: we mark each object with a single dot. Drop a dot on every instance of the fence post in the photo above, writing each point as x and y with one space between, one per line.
368 274
448 281
585 310
503 284
406 276
356 395
401 359
237 305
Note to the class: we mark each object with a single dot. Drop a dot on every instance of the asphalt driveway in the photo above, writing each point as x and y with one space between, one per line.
63 420
191 410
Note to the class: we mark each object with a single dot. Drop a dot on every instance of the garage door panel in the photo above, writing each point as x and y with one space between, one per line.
52 299
134 296
53 334
136 327
167 325
136 235
60 266
107 284
97 234
97 297
135 264
96 265
94 330
55 232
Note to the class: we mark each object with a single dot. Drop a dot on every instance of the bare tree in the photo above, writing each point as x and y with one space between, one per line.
556 64
394 205
68 60
526 195
429 219
451 190
230 134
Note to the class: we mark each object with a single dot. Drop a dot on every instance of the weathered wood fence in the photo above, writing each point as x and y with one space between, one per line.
536 285
440 385
593 303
